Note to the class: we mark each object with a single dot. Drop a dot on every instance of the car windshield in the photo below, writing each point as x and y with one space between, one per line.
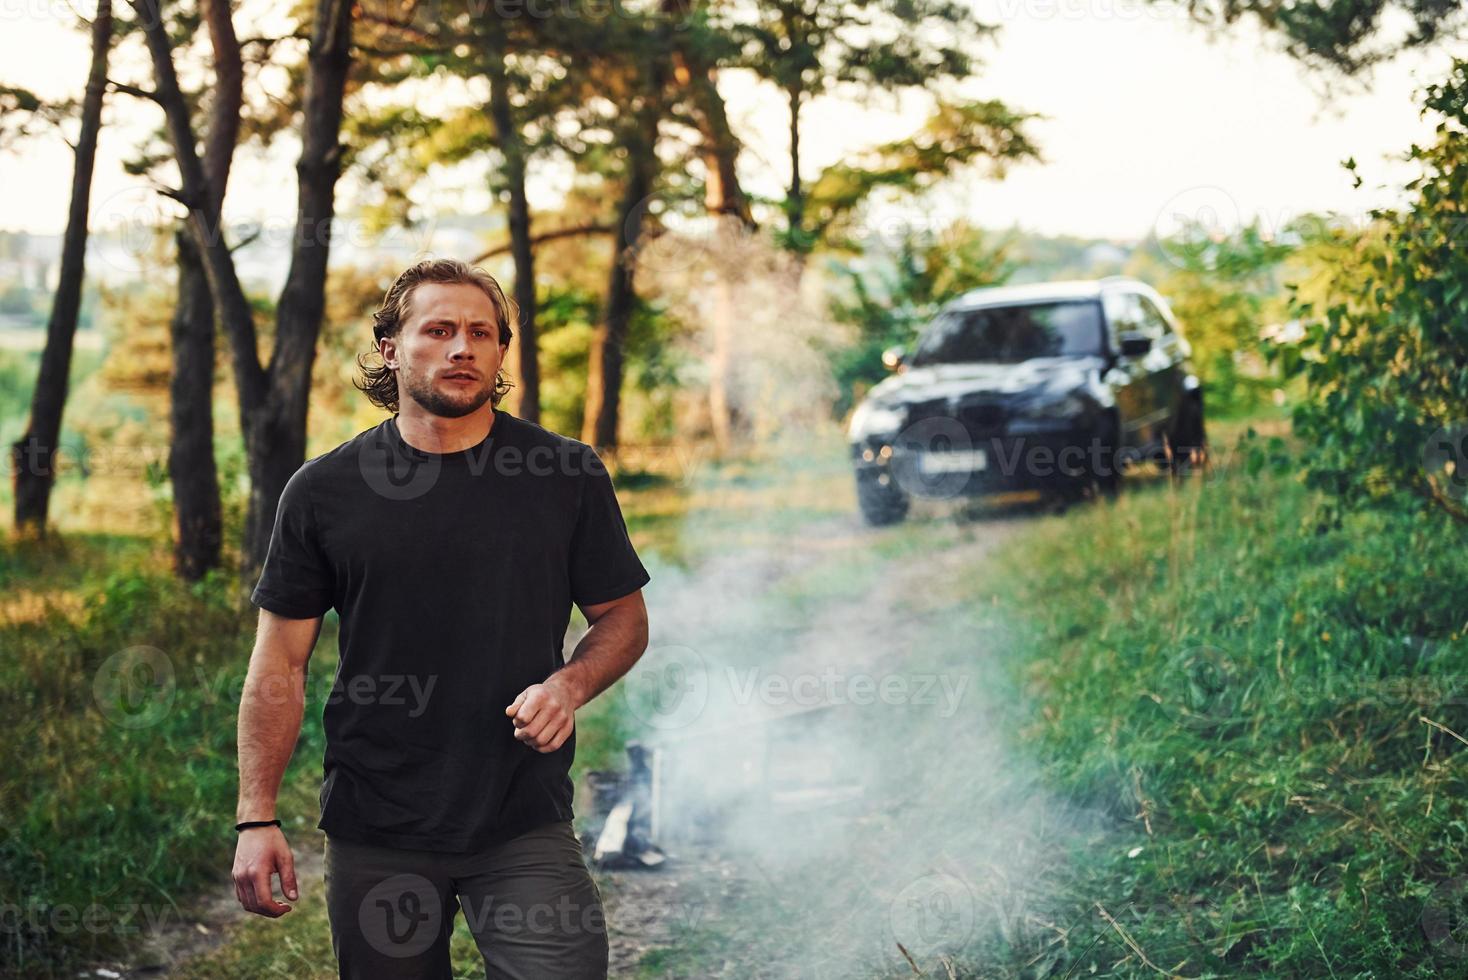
1010 334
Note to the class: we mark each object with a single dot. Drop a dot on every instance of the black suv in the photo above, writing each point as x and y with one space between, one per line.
1052 386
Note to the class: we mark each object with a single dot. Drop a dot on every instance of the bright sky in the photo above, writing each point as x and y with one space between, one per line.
1148 118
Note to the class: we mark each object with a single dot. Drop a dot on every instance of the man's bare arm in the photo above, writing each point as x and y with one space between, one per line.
272 704
545 714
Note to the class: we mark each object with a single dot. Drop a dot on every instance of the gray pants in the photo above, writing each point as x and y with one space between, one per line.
533 908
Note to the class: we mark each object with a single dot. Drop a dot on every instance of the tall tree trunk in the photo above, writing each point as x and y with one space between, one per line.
726 202
722 409
723 194
272 402
512 145
198 523
795 202
232 308
229 81
604 374
33 455
277 433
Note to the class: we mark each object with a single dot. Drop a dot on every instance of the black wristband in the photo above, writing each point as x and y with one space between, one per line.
256 823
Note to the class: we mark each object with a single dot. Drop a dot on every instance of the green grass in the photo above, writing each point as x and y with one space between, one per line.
1238 692
119 736
1260 705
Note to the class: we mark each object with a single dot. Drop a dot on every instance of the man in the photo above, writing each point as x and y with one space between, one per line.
451 539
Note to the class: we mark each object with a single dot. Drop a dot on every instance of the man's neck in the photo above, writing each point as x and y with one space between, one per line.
431 433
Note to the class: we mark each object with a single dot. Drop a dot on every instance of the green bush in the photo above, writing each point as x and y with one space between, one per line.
1385 357
1225 289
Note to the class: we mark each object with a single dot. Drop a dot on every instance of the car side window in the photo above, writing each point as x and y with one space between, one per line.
1154 324
1122 315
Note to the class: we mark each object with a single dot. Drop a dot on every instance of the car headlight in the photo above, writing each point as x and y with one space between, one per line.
872 419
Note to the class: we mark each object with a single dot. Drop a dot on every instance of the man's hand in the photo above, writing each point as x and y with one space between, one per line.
262 852
544 715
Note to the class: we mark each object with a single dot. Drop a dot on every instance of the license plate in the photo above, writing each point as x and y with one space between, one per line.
960 461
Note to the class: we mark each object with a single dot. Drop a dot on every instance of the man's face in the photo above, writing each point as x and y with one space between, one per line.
447 352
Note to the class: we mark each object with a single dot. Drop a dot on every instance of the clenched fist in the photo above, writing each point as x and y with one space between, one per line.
544 716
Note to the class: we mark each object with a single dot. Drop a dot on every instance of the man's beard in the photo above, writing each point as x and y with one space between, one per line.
436 402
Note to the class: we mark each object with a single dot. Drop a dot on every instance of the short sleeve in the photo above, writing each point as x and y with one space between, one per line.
296 581
604 565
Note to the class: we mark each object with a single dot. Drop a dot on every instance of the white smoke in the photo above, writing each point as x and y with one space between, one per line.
830 725
755 321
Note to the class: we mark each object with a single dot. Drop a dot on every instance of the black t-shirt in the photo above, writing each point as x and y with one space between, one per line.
453 575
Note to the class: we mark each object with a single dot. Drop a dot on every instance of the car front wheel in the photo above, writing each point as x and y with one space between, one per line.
1105 460
881 503
1188 441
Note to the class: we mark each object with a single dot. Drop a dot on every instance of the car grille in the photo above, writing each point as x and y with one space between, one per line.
977 418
